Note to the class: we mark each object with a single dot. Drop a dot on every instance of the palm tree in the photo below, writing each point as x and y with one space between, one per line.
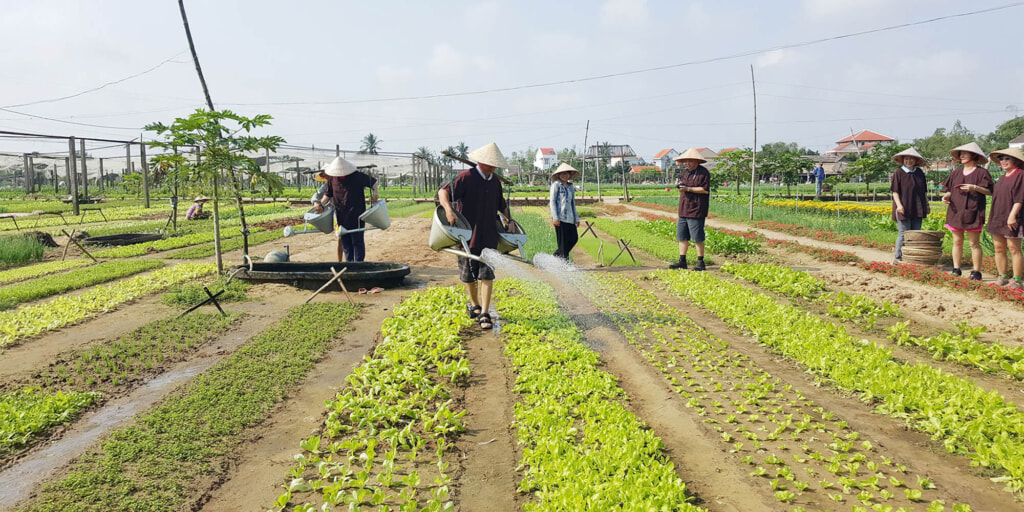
424 153
371 144
462 150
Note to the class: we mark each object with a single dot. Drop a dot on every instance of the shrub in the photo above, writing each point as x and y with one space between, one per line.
19 249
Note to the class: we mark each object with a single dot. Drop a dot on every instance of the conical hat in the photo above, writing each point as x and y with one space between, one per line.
201 199
573 173
490 155
339 167
972 148
1014 152
691 154
898 157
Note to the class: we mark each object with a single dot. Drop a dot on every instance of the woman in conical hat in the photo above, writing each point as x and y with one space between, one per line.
346 188
479 197
562 202
909 195
1006 219
195 212
965 190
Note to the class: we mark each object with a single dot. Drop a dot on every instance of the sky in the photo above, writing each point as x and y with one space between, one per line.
525 74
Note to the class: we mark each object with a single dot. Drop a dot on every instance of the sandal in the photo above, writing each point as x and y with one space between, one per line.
485 321
473 311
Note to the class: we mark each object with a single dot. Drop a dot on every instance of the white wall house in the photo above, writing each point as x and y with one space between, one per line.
665 158
1018 142
546 158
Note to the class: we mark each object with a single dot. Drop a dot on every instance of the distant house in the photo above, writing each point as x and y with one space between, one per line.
860 142
708 155
1018 142
546 158
665 158
637 169
614 153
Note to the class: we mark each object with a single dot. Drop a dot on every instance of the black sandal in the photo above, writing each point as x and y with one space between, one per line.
485 321
473 311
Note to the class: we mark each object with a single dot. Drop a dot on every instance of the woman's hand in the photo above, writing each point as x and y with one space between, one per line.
899 209
555 223
1012 222
318 207
577 224
945 197
968 188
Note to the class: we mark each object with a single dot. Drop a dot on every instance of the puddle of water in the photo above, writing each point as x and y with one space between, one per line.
18 480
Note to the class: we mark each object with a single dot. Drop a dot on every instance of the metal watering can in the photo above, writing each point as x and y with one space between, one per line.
445 237
376 216
323 222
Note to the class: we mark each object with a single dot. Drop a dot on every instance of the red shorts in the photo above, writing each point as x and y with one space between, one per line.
958 230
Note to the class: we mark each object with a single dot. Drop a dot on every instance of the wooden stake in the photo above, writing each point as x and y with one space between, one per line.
336 277
73 241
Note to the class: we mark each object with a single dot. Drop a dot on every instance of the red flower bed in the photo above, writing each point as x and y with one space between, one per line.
824 236
651 216
936 277
816 252
615 209
749 235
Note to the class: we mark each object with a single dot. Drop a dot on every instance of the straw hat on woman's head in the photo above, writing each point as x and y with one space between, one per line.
1014 152
898 157
573 173
489 155
974 149
691 154
339 167
201 199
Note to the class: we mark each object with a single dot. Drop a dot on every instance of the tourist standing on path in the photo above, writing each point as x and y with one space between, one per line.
1006 219
819 178
909 195
479 196
965 190
345 186
562 202
694 184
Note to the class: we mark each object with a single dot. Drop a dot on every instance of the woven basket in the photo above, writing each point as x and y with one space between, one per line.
921 235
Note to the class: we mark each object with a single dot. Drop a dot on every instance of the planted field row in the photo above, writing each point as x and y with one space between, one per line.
966 418
40 269
26 412
36 319
805 454
156 463
582 449
111 214
961 346
230 244
662 248
166 244
384 441
41 287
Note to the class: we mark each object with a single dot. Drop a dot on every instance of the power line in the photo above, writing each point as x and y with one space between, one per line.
746 53
70 122
94 89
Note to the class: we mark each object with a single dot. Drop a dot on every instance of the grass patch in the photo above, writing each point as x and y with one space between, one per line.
26 412
19 250
230 244
190 294
41 287
407 208
152 464
540 235
591 245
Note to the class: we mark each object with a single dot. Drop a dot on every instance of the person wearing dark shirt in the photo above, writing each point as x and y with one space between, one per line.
965 190
479 196
694 184
1006 219
345 187
909 196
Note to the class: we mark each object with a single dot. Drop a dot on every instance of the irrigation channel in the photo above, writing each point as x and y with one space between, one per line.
743 425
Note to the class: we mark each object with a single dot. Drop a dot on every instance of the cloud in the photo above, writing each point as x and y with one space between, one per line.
482 16
388 75
771 58
625 13
838 8
446 61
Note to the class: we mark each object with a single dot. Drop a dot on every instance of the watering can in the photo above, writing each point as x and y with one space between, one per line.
376 216
445 237
322 221
511 237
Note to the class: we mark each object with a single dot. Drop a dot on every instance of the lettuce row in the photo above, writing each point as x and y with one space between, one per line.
582 449
28 411
40 269
966 418
36 319
40 287
394 420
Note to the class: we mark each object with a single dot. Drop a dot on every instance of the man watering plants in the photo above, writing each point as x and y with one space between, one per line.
694 184
479 196
346 186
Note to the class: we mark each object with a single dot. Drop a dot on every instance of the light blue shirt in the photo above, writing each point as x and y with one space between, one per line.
562 202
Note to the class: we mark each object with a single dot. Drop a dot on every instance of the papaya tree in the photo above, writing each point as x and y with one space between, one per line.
221 141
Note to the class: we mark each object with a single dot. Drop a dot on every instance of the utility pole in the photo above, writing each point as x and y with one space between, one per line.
100 183
85 172
28 174
145 172
73 175
583 172
753 160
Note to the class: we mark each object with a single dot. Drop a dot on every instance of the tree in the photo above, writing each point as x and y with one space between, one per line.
462 150
425 154
787 167
1000 138
876 165
370 144
734 167
215 134
938 144
779 148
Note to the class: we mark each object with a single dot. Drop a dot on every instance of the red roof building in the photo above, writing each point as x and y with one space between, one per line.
860 142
